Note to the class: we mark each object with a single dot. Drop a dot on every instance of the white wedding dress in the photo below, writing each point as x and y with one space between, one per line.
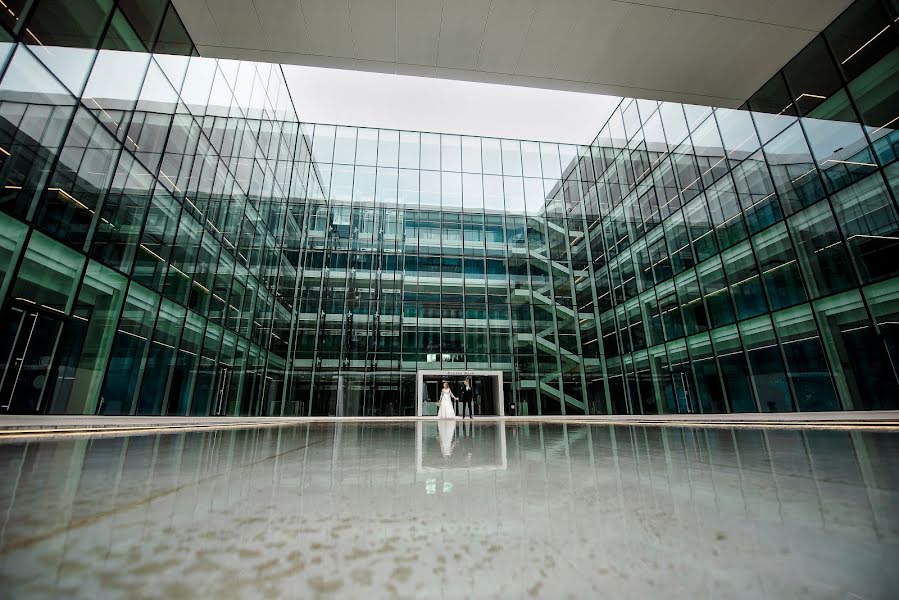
445 405
446 431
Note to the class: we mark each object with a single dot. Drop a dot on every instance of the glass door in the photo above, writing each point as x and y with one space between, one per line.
429 396
222 385
682 397
27 349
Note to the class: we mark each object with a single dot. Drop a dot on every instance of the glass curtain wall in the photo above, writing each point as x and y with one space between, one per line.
430 251
746 260
144 198
174 242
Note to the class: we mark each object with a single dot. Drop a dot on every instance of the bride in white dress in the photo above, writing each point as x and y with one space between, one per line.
445 404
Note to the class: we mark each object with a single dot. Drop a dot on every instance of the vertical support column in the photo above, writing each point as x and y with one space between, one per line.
499 399
419 382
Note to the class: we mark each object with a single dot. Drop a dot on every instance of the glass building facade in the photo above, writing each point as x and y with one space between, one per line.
173 241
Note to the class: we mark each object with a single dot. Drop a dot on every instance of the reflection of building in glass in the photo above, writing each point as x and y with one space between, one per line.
174 241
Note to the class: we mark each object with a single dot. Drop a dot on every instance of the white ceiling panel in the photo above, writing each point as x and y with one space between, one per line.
328 23
549 33
374 66
417 31
461 33
373 25
588 43
284 25
507 26
750 10
801 14
766 43
238 23
712 51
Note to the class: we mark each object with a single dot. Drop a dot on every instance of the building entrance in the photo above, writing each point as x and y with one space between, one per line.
487 389
28 346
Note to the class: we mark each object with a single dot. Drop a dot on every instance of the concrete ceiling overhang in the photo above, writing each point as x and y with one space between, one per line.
711 52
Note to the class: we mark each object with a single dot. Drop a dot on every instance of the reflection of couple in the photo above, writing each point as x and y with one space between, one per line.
446 435
445 404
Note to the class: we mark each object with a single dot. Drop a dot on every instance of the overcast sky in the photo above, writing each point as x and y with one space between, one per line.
344 97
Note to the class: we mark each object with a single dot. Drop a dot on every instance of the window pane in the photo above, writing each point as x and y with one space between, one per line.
367 147
388 148
821 251
530 158
758 199
812 76
715 292
115 241
734 369
837 142
700 226
114 86
430 151
674 122
793 170
472 191
868 219
511 157
745 283
805 360
451 186
345 145
409 150
173 37
705 370
883 300
726 212
860 37
127 353
847 333
161 357
97 313
450 153
773 109
709 151
737 133
63 35
471 154
48 275
692 307
145 15
768 376
780 271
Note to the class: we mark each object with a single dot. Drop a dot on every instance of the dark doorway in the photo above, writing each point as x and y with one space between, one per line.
486 397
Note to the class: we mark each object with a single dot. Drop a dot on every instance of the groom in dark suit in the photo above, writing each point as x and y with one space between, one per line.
467 398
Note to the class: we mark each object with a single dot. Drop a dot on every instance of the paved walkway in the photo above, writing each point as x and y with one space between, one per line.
17 425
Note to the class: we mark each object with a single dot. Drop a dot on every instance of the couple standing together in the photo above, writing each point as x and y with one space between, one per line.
445 404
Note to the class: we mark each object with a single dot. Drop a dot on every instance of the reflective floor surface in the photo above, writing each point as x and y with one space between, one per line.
453 510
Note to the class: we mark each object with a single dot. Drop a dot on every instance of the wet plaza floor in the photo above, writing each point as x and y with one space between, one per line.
484 509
